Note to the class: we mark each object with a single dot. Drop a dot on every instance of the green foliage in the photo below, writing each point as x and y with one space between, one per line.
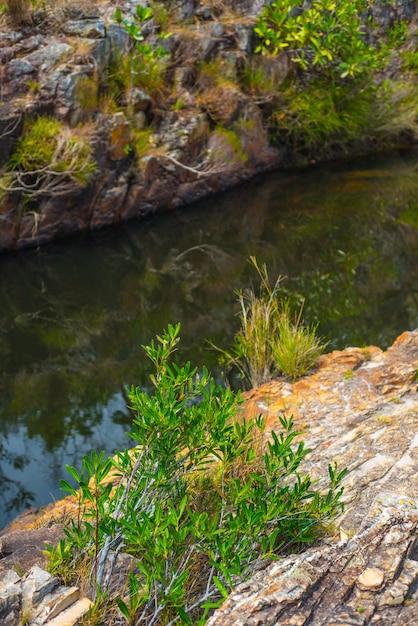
202 499
59 558
271 339
327 34
395 108
233 150
252 350
397 35
344 98
50 159
36 147
409 215
141 141
322 113
410 60
297 348
145 66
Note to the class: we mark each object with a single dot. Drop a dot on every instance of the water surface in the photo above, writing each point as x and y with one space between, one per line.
73 315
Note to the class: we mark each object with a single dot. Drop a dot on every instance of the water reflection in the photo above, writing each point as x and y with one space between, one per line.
73 315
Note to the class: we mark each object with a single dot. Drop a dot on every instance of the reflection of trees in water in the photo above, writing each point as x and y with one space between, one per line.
64 419
355 263
13 494
56 405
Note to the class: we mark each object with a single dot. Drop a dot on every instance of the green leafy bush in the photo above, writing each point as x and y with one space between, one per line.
340 95
321 114
202 500
145 66
324 34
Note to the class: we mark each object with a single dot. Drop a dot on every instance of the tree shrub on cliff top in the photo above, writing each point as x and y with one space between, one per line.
327 34
339 98
203 498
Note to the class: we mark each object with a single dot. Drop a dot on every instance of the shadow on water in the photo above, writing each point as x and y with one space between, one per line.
73 315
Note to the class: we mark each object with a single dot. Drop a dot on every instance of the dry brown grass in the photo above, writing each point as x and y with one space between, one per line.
18 11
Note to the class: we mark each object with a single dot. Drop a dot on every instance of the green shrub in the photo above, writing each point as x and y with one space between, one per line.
344 98
49 160
203 498
328 34
36 147
322 113
145 66
410 60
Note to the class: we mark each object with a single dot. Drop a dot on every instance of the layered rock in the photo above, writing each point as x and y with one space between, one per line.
60 63
369 579
360 409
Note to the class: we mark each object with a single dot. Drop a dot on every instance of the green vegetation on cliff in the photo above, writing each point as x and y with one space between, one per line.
339 95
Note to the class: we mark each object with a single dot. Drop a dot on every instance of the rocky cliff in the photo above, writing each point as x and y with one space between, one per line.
59 63
359 408
208 121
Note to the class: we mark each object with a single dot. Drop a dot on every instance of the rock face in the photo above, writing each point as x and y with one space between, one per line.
37 598
360 408
369 579
24 548
60 64
66 62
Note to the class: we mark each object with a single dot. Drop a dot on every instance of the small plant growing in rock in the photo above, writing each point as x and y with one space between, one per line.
296 347
49 160
141 141
271 339
257 82
203 499
143 67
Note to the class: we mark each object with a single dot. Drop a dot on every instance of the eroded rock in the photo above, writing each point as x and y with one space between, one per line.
359 408
368 579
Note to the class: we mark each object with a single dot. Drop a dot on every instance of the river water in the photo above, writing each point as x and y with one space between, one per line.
73 315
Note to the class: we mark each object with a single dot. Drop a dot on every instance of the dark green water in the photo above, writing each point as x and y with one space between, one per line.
74 315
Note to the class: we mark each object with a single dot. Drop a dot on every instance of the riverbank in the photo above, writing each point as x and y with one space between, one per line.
93 137
358 407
